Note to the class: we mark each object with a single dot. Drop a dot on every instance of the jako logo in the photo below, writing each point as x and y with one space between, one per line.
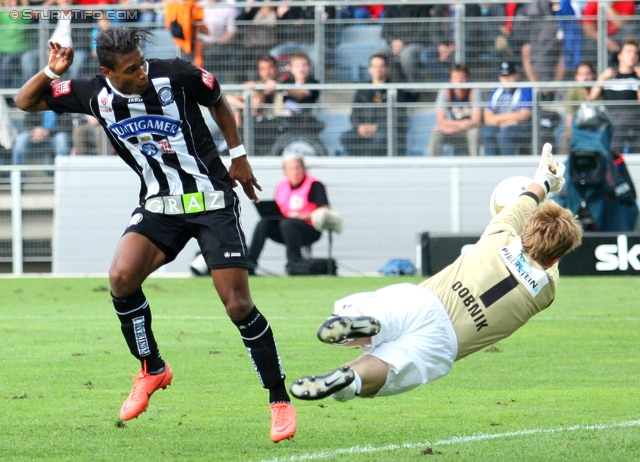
618 256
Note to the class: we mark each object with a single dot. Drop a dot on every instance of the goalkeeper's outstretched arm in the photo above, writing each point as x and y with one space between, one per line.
549 176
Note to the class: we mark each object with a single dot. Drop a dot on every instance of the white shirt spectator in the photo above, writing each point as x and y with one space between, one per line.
219 23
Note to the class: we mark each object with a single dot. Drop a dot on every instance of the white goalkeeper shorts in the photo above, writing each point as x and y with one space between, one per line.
417 339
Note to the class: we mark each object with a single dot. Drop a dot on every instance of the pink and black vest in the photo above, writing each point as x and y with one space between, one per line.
295 200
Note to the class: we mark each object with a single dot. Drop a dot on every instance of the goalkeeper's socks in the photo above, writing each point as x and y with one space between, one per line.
350 391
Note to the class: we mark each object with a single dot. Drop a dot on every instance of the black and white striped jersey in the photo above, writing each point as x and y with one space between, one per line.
161 134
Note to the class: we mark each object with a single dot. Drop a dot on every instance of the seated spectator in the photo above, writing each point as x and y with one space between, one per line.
88 138
45 133
458 118
619 27
14 41
585 72
217 37
622 84
278 114
301 73
265 102
406 41
507 119
297 196
368 137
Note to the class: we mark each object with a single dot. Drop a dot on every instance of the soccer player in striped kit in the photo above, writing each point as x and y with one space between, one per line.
150 111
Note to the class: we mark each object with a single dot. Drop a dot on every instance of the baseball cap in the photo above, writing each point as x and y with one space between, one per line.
507 67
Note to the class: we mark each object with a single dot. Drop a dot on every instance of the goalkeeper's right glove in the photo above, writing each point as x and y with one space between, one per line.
550 174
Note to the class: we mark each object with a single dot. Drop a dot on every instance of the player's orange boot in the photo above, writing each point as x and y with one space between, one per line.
145 385
283 421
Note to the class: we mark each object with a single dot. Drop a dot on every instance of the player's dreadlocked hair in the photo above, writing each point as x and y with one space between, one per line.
550 232
113 42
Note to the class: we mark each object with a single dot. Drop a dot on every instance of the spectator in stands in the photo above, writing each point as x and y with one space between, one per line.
509 34
585 72
44 133
218 36
71 31
508 116
368 137
14 41
458 117
269 76
438 56
619 27
406 41
360 12
542 60
88 138
266 104
297 195
302 18
622 84
300 68
571 32
259 36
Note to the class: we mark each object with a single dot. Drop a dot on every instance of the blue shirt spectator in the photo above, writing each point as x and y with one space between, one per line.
507 118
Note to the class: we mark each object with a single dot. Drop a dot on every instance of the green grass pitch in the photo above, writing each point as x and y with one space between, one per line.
564 387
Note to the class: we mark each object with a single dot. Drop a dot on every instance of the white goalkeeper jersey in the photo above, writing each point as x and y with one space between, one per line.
494 288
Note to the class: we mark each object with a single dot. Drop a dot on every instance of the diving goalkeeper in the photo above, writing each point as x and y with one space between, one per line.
412 334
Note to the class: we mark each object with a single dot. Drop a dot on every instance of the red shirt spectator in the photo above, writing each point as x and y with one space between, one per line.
590 13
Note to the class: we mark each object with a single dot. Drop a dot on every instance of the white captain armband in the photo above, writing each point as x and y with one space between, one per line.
49 73
237 151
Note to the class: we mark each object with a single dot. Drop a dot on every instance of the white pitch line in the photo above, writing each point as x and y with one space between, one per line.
453 440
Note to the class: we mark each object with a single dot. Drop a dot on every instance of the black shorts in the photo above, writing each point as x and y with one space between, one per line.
218 232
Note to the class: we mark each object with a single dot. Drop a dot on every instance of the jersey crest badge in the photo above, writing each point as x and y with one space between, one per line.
165 95
61 88
207 78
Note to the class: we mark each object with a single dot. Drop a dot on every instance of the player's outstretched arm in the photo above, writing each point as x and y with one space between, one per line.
30 96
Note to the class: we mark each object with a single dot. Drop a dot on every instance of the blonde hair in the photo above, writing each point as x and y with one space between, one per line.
550 232
293 156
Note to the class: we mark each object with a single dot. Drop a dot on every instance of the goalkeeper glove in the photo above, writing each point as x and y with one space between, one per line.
550 174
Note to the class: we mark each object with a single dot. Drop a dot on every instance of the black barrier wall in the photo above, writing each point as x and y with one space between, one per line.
602 254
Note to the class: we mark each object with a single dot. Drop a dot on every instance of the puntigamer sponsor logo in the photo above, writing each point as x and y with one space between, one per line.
157 125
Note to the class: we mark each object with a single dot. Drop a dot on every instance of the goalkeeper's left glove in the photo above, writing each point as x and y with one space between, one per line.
550 174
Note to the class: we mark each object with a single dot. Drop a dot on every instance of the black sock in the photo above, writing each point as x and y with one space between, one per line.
135 319
258 339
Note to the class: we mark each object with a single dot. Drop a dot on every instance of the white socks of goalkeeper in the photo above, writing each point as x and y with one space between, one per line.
350 391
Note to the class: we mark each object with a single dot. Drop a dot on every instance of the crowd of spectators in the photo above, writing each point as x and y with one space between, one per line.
547 40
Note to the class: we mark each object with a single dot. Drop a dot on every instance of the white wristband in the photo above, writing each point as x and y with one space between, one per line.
237 151
49 73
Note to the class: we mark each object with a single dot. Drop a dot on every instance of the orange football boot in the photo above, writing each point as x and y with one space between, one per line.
145 385
283 421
